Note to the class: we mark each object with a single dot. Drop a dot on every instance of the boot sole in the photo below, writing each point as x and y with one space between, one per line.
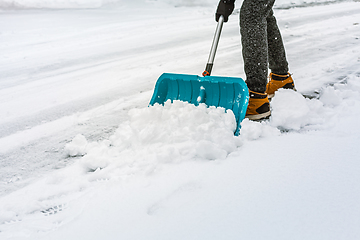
258 117
270 96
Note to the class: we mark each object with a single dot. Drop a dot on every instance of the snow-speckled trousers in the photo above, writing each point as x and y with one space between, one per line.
262 45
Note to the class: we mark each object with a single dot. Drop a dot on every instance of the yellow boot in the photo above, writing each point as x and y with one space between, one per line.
259 106
279 81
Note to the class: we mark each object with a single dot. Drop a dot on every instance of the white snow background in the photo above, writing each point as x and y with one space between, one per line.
82 156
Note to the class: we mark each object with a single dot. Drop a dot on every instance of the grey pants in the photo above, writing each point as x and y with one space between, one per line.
262 45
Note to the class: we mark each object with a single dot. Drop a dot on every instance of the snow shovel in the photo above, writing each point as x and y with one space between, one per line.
227 92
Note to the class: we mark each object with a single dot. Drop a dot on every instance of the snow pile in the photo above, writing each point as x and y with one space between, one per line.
174 132
291 111
294 112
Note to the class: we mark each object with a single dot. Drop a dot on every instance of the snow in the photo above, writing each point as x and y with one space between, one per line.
80 4
82 156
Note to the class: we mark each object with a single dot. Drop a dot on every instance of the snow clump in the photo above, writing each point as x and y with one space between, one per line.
77 147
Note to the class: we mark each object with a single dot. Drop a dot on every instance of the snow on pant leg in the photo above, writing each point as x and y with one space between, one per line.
277 56
253 29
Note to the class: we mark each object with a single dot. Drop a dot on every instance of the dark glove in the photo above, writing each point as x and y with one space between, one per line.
225 8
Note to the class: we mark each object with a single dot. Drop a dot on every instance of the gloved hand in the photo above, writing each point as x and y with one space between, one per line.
225 8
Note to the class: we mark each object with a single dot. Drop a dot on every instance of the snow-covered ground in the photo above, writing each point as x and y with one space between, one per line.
82 156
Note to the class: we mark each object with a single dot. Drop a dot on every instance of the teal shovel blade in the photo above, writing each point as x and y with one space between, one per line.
227 92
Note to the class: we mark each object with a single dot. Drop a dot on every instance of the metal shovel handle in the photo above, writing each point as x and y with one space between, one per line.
214 46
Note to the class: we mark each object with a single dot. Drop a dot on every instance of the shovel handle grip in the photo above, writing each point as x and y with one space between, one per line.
208 69
214 46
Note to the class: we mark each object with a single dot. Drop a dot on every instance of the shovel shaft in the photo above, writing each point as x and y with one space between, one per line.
214 46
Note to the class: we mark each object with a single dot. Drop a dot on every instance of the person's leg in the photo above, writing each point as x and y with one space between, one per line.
254 39
276 51
279 77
